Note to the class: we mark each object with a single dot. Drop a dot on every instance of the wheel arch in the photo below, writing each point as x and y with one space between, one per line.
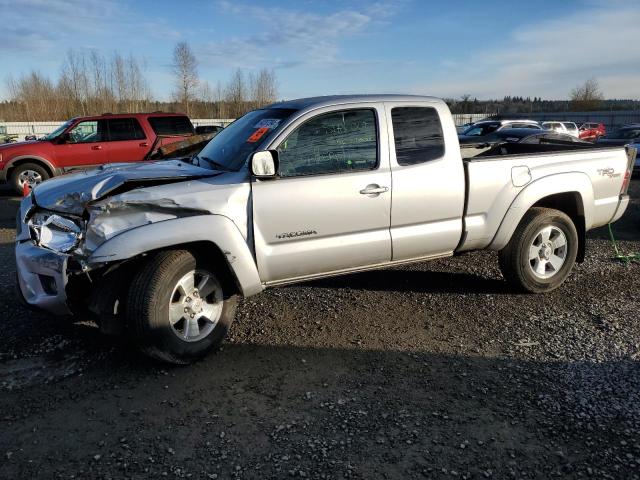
570 193
17 161
208 236
571 204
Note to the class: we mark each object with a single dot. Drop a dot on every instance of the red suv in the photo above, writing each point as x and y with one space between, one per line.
90 141
592 131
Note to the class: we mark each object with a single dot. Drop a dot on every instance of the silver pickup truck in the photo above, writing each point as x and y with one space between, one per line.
301 190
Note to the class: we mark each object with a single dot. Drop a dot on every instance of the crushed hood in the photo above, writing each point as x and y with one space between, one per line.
72 193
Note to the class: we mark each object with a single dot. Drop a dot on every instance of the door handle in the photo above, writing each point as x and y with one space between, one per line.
96 147
144 144
374 190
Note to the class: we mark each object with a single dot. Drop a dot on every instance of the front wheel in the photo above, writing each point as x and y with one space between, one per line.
27 173
179 308
541 252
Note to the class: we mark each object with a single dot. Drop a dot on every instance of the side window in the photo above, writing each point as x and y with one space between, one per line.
87 132
334 142
125 129
172 125
417 133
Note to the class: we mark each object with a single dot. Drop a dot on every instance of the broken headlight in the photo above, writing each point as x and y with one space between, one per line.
55 232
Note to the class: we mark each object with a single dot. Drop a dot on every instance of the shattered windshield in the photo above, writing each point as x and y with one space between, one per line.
58 130
229 149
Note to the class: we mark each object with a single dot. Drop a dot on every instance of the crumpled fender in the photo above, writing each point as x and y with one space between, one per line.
216 229
539 189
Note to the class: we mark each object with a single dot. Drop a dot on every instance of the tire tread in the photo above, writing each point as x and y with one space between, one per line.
509 257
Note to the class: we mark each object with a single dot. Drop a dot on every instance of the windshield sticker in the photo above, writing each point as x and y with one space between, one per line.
257 135
267 123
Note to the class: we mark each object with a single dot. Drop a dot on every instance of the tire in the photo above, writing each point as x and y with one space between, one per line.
530 262
157 296
33 170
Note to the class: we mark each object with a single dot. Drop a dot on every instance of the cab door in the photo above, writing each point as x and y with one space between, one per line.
329 208
84 146
428 181
127 140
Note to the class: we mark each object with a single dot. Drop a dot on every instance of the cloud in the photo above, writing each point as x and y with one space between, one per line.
34 26
298 36
550 58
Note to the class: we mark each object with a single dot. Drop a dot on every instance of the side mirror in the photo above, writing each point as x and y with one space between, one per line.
264 164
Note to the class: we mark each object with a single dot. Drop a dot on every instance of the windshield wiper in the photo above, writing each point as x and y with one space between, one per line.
217 165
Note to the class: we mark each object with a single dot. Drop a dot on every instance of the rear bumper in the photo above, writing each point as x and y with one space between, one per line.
42 278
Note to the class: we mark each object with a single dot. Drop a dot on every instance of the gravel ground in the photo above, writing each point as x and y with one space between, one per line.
434 370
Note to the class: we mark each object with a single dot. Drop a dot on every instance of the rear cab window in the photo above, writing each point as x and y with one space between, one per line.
173 125
417 134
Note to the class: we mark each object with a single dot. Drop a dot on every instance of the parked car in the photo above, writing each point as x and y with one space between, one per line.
592 131
520 135
6 137
463 127
636 166
474 146
568 128
622 136
30 138
202 129
296 191
88 142
486 127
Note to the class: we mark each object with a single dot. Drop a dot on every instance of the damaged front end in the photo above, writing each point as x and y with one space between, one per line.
65 220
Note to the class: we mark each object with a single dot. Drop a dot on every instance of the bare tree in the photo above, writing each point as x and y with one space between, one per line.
35 94
119 75
102 92
587 96
236 94
263 88
90 83
139 92
185 69
222 109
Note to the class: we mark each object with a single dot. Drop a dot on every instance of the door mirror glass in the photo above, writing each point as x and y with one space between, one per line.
264 164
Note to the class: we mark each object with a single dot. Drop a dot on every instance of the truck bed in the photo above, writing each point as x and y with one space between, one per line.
483 150
496 177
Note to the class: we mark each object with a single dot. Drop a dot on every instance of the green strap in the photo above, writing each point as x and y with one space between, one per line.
633 257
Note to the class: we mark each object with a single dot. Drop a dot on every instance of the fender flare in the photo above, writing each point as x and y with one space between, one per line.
216 229
573 182
36 158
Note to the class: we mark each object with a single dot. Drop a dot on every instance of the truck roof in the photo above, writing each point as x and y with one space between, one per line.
326 101
128 115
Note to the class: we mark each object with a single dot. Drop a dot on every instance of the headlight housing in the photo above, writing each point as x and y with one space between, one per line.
54 232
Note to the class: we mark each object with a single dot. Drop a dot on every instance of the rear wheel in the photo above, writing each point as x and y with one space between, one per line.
541 252
29 173
179 308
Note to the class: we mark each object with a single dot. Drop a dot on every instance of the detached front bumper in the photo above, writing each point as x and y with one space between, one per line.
42 277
